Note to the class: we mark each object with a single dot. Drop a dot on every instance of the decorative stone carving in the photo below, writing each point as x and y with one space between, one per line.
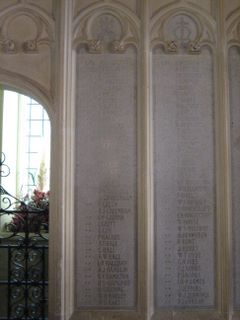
172 47
106 30
27 31
118 46
8 46
194 47
29 46
106 102
181 28
181 31
24 28
95 46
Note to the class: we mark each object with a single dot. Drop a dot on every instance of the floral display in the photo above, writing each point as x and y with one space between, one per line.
32 214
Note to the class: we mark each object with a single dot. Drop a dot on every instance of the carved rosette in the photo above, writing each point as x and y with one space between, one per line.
180 31
8 46
24 29
106 30
118 46
30 46
95 46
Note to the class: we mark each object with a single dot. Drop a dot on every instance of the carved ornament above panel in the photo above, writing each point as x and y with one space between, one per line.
106 29
24 30
181 31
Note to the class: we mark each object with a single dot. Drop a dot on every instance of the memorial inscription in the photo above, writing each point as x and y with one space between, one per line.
106 181
234 83
184 180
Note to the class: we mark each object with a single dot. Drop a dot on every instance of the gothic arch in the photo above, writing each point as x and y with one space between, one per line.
84 22
203 24
27 87
41 23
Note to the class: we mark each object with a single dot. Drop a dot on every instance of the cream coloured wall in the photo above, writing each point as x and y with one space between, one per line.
38 39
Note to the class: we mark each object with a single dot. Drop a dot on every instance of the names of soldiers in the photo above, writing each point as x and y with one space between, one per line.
184 181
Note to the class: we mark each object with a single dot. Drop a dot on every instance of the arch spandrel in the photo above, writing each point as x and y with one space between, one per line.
177 29
81 5
126 24
26 46
233 28
206 6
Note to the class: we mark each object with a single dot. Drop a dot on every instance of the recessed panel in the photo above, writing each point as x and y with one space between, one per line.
234 77
184 180
106 181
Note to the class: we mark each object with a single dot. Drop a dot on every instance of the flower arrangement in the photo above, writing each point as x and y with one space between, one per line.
32 214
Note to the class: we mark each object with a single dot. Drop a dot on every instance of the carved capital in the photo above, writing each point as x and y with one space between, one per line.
9 46
30 46
95 46
194 47
118 46
172 47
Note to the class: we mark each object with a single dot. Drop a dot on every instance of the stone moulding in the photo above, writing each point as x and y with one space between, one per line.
106 28
180 29
42 23
29 87
233 29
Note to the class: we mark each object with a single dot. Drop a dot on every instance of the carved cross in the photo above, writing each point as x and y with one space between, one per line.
182 30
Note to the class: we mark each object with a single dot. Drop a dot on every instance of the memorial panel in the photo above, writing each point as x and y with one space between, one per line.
106 180
184 180
234 77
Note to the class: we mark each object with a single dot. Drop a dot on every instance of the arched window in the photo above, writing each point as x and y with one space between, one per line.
24 207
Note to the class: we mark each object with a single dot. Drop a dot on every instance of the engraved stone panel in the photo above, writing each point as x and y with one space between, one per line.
234 76
106 191
183 116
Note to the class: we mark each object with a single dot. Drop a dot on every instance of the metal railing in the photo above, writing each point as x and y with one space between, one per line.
23 255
